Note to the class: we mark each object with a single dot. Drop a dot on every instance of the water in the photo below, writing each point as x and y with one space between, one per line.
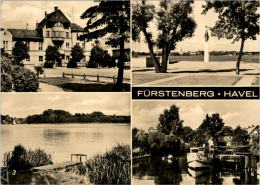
157 171
61 140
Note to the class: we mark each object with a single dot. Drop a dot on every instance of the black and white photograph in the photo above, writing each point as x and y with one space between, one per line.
57 46
52 138
195 43
195 142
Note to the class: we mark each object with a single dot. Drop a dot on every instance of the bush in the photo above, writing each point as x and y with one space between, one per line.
113 167
21 159
72 63
24 80
6 82
48 64
91 64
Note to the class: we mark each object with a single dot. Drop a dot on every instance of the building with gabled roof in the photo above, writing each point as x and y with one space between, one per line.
55 29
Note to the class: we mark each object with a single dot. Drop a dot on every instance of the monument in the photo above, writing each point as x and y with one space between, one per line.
206 47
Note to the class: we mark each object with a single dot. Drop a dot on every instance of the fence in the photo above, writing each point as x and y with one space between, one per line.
98 77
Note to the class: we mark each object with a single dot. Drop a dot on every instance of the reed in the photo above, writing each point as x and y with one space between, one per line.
113 167
23 159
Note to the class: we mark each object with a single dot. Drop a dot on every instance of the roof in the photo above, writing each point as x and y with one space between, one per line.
56 16
25 34
75 27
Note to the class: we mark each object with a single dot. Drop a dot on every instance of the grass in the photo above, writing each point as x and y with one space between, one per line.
68 84
113 167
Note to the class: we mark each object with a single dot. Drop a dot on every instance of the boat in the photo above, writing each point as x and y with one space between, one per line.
200 157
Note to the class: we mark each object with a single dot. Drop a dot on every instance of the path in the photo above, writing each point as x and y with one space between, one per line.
56 166
44 87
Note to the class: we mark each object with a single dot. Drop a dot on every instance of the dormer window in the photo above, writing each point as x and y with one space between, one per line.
58 24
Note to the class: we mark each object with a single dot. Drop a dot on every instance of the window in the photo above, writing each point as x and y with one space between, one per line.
54 34
28 59
5 44
58 24
67 35
28 45
67 57
40 58
77 44
67 45
47 33
40 45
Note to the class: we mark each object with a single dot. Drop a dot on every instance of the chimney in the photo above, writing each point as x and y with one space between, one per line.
45 15
56 8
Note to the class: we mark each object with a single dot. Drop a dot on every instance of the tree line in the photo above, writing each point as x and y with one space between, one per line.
171 137
61 116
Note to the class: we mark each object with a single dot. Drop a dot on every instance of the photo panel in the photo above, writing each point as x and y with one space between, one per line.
195 142
65 46
186 43
77 138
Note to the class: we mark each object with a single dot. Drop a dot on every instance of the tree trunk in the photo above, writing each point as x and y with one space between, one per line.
165 57
121 65
240 56
150 47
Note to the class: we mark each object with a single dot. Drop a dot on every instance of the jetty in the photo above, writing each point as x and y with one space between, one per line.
63 165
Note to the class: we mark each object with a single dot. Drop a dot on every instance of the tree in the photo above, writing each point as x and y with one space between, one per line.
99 57
240 136
19 52
77 55
174 25
237 20
169 121
212 126
113 18
52 55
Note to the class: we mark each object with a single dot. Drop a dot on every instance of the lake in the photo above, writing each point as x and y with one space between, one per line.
158 171
61 140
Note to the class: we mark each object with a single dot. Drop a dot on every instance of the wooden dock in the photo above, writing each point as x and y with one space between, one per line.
57 166
63 165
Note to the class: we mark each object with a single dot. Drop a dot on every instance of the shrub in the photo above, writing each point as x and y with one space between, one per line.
6 82
72 63
48 64
24 80
21 159
113 167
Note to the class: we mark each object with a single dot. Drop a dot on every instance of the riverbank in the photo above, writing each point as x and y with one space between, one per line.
111 167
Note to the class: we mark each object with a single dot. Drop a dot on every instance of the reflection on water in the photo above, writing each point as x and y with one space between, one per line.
61 140
157 171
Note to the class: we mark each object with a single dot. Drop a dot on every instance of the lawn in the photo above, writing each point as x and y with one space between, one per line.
78 85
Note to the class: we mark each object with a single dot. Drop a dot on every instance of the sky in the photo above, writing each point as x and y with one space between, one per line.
24 104
145 114
196 42
17 14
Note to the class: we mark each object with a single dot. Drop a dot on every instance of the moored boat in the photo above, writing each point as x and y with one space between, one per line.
200 157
